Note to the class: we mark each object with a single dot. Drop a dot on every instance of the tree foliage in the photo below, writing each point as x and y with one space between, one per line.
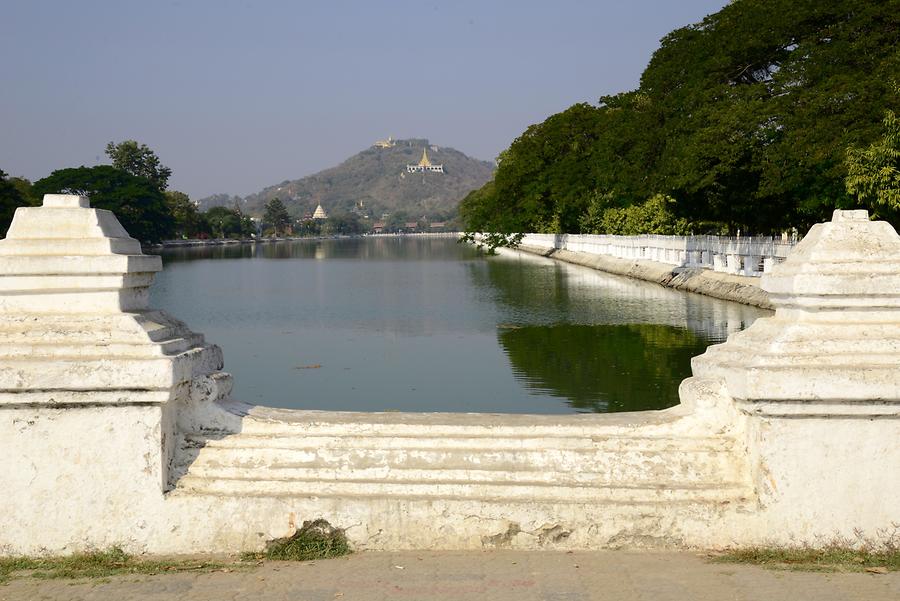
140 160
743 120
655 216
189 222
345 224
873 173
137 202
276 215
11 198
229 223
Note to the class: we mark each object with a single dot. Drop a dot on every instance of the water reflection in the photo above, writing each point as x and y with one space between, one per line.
387 248
533 290
426 324
603 343
603 368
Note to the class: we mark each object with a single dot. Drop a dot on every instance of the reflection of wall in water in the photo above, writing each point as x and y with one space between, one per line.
584 295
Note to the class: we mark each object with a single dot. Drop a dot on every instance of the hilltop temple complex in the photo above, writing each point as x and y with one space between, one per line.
389 143
424 165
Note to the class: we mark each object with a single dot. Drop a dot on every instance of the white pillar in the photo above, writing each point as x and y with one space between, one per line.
719 262
92 382
733 264
819 388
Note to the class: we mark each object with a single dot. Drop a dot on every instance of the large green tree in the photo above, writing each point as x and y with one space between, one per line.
276 216
542 181
11 198
759 102
743 119
138 159
140 206
189 222
227 222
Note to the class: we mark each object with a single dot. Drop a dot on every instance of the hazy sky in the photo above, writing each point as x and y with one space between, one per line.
234 96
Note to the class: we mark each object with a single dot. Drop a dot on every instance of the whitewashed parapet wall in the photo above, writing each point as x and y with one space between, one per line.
749 255
117 427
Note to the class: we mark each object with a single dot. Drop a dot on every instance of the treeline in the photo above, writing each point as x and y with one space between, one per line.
135 187
765 116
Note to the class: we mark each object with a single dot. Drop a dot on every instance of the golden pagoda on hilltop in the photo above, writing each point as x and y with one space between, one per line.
424 165
320 213
389 143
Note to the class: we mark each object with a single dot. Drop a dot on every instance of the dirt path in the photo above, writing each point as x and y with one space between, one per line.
500 575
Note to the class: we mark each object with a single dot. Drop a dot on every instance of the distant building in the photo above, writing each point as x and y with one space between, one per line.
389 143
424 165
360 209
320 213
378 227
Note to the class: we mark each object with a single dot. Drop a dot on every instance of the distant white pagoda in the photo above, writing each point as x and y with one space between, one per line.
320 213
424 165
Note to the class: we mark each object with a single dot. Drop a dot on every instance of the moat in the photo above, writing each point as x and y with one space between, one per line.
426 324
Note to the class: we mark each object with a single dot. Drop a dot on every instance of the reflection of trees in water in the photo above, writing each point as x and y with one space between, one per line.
603 342
603 368
395 248
524 289
194 253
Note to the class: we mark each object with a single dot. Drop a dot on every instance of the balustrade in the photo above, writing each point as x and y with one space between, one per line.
743 255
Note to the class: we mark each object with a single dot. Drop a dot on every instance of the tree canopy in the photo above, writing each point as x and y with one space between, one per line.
874 172
11 198
229 223
139 205
276 215
743 120
189 222
140 160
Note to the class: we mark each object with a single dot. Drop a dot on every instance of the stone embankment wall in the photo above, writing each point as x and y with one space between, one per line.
718 266
117 425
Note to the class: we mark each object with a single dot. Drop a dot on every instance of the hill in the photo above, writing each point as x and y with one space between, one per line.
377 178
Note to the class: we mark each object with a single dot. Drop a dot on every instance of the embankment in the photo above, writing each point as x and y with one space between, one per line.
737 288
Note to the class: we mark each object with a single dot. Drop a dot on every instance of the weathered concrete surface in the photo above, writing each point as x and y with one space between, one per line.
491 575
726 286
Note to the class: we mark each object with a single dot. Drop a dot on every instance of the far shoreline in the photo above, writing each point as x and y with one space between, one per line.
267 240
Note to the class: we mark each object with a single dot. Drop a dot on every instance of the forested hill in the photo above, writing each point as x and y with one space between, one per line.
377 177
766 115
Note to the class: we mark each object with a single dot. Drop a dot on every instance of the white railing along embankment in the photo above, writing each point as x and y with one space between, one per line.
747 255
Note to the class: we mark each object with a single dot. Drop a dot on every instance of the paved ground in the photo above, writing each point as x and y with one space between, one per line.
500 575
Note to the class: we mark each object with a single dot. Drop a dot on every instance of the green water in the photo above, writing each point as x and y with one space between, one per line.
426 324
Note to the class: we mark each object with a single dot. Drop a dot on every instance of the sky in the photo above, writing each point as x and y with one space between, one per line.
237 95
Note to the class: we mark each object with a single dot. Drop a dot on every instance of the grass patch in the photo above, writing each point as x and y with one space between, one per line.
97 564
316 539
828 559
